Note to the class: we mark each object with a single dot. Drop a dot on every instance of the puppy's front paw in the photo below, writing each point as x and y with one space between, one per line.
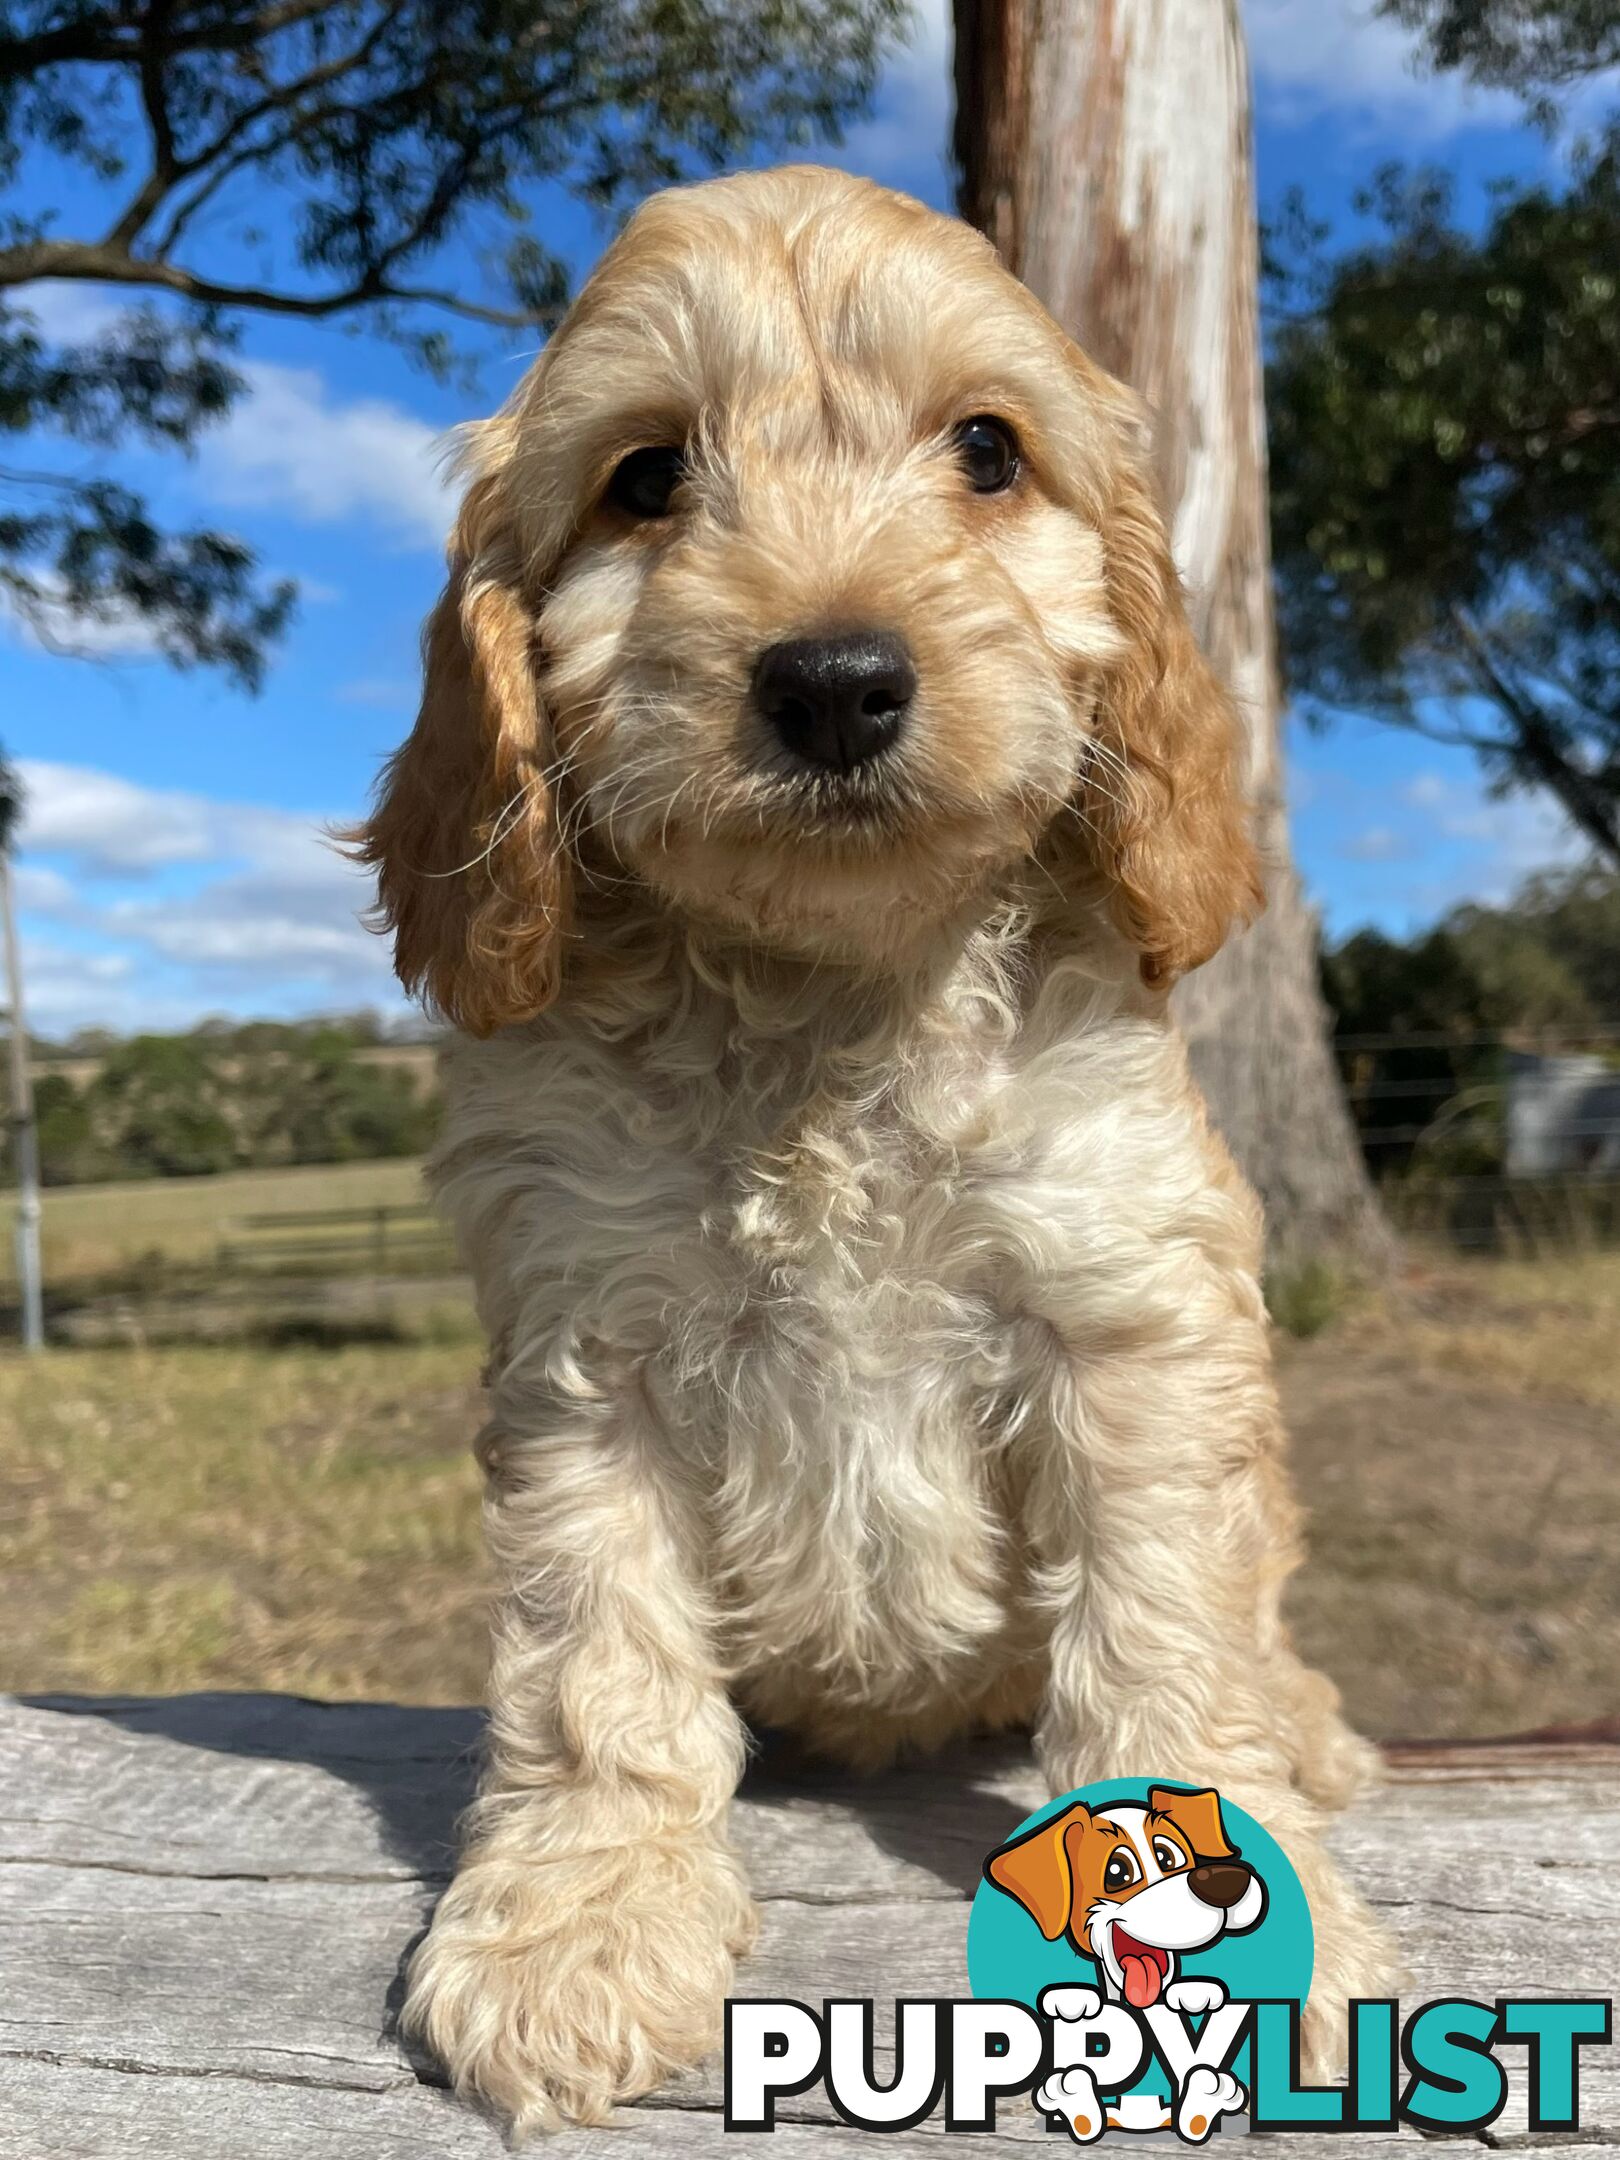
552 1989
1356 1961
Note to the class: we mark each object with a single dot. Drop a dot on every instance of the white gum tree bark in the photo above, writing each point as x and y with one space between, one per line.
1106 148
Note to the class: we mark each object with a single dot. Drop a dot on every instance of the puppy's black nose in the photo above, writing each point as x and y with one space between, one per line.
1220 1883
839 700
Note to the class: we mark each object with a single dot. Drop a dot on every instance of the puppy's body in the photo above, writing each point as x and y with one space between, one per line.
846 1252
877 1344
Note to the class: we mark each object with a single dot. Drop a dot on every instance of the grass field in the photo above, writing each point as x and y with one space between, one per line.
92 1233
1458 1449
304 1519
234 1517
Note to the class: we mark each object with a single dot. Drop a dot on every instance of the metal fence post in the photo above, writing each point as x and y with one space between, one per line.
24 1130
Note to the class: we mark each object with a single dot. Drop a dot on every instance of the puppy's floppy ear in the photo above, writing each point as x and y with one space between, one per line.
1197 1815
471 876
1162 794
1036 1871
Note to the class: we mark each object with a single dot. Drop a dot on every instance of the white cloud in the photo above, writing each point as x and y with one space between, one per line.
1309 57
912 125
50 624
293 445
290 445
1320 56
212 902
1497 842
1379 843
201 935
301 919
110 826
69 989
69 311
44 891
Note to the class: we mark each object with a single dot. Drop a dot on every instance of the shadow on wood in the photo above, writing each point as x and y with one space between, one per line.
207 1900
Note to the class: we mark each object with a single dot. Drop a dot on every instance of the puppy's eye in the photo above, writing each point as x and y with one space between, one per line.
643 483
1168 1856
988 449
1120 1872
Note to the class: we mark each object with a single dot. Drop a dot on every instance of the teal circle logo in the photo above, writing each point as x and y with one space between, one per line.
1056 1865
1139 1890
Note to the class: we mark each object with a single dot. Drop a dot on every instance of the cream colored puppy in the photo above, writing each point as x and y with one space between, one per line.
815 795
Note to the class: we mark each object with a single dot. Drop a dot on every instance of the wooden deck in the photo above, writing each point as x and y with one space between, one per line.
207 1900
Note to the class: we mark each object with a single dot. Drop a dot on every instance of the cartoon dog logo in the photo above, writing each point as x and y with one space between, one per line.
1135 1887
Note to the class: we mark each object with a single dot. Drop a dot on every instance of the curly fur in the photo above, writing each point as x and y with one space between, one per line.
877 1345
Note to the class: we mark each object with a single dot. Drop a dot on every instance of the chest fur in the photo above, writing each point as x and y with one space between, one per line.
822 1291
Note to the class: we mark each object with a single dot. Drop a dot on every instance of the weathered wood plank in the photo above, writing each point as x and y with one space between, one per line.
205 1902
86 2114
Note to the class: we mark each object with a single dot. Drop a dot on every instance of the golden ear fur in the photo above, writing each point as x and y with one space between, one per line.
1163 796
470 874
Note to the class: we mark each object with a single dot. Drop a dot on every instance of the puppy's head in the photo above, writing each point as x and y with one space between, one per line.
812 581
1134 1887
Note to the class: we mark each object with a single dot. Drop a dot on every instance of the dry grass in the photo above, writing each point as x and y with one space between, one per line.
92 1232
1458 1446
1548 1327
236 1518
306 1519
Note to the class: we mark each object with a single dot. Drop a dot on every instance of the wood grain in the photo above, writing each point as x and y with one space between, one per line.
205 1902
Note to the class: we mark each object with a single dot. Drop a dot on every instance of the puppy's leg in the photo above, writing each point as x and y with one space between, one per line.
585 1947
1156 1506
1332 1764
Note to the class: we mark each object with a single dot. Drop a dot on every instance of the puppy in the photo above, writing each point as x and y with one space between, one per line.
1134 1888
815 795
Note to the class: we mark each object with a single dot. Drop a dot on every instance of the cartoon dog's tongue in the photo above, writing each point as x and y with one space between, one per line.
1142 1967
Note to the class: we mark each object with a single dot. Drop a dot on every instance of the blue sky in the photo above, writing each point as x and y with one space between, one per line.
171 864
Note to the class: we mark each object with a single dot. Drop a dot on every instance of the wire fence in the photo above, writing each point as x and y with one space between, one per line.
1491 1142
1477 1142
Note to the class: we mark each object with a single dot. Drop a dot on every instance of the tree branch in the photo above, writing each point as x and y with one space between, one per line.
153 71
1454 738
115 39
1587 804
105 264
20 476
286 97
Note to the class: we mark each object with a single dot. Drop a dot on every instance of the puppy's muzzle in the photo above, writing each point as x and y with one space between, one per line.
836 701
1219 1883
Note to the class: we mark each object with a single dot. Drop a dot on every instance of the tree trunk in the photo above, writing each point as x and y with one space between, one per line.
1105 147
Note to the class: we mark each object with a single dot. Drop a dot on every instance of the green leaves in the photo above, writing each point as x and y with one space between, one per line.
1536 47
1445 429
229 1097
1421 1022
387 133
83 565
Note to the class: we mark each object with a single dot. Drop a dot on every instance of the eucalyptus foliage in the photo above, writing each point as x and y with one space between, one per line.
1445 428
322 159
1540 48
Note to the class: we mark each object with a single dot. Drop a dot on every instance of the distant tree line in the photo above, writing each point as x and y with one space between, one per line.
257 1096
1540 973
1424 1026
